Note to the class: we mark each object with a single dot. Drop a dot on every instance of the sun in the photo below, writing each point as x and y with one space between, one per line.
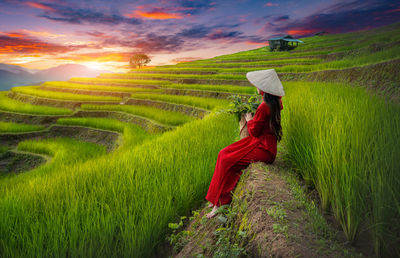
95 65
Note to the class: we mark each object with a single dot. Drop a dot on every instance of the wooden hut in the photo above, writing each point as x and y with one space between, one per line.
284 43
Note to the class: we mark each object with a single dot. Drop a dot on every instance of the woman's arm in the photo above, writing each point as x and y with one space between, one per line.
256 125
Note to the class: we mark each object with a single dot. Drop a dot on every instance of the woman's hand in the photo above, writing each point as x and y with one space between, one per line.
248 116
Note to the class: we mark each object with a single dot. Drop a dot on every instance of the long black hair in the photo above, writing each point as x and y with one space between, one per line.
275 115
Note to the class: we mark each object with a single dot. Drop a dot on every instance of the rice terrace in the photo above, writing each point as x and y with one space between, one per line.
118 165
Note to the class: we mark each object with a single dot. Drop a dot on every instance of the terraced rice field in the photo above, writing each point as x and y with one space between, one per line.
127 153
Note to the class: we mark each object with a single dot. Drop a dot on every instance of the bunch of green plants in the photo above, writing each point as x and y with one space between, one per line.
240 105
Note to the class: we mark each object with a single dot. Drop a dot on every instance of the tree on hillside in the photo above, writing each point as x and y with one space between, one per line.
138 60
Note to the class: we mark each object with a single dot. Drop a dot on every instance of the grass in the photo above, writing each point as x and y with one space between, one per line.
171 76
216 87
8 127
166 84
161 116
11 105
115 205
132 134
36 91
199 66
65 152
343 140
3 149
109 81
70 85
206 103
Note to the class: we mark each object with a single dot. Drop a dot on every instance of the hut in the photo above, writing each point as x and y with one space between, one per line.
284 43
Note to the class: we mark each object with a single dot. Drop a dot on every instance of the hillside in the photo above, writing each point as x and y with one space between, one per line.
110 161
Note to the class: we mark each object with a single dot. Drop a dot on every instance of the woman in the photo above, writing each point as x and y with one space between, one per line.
265 131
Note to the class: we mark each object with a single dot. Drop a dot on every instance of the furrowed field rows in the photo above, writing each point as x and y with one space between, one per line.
165 84
105 138
42 101
161 116
355 59
36 91
206 103
75 89
7 127
146 124
132 134
7 104
110 88
203 65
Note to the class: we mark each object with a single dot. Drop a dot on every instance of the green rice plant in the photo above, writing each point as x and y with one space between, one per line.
132 134
70 85
36 91
3 149
173 76
167 84
206 103
161 116
344 141
201 66
8 127
116 205
213 87
65 152
11 105
95 122
117 82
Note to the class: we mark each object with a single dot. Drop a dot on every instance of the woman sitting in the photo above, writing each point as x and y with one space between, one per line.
261 145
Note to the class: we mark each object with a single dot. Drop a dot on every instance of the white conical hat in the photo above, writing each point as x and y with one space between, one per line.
267 81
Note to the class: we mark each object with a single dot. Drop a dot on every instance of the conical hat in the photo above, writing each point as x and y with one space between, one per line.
267 81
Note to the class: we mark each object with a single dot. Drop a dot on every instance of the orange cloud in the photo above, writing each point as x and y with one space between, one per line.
15 42
257 43
301 32
43 34
155 15
271 4
98 57
14 35
39 6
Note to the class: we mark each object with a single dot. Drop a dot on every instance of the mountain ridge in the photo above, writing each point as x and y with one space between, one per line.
15 75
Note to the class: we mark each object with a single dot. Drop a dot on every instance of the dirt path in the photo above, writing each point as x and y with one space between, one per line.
270 216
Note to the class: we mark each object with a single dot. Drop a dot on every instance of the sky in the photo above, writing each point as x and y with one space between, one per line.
103 34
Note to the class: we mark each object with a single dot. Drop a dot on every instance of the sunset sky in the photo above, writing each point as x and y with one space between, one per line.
102 34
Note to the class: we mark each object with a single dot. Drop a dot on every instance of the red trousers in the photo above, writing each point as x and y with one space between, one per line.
225 180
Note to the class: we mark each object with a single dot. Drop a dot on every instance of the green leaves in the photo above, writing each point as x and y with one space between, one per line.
241 105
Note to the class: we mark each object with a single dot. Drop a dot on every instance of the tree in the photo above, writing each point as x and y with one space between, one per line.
139 60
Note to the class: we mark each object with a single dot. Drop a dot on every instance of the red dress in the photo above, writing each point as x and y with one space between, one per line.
259 146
